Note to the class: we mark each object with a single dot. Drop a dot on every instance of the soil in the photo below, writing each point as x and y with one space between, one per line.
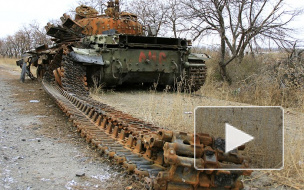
39 147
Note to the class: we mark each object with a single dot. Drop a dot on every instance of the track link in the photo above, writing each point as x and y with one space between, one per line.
196 76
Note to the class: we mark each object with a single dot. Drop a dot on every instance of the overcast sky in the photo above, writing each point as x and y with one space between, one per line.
17 13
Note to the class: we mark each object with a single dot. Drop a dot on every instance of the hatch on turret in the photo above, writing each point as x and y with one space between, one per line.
113 19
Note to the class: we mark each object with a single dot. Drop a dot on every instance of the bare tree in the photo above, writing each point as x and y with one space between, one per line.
240 22
37 35
26 38
174 18
2 47
11 47
150 13
22 42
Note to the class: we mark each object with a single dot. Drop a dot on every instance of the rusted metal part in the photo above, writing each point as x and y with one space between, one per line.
121 26
70 23
84 11
88 22
57 74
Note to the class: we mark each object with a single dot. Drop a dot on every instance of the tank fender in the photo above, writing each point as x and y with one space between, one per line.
187 64
199 56
89 59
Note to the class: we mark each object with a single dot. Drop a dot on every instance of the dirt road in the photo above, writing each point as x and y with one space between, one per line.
40 149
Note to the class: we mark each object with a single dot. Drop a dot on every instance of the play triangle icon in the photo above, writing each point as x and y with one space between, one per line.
235 137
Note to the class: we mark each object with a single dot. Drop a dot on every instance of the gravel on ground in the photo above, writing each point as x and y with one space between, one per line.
39 147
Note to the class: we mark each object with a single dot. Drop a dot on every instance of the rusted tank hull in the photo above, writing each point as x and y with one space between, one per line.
94 26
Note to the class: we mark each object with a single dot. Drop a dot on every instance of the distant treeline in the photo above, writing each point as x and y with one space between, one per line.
26 38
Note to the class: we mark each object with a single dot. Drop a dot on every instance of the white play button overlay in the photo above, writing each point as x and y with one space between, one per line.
259 128
235 137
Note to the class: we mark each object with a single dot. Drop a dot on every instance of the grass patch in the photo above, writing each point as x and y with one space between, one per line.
293 173
265 80
10 62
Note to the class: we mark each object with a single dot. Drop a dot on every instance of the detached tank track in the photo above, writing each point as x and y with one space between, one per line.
165 158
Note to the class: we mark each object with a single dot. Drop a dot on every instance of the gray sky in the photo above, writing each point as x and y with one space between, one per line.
17 13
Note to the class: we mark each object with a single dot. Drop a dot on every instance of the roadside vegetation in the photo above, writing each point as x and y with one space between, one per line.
9 62
272 79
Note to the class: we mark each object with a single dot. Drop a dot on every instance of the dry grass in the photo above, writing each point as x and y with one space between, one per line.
11 64
259 83
266 80
150 106
171 110
8 62
293 173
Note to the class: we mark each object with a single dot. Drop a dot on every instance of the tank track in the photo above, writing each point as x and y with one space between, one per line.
197 77
165 158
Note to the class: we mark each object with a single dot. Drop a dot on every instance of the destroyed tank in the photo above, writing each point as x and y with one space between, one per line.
113 50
